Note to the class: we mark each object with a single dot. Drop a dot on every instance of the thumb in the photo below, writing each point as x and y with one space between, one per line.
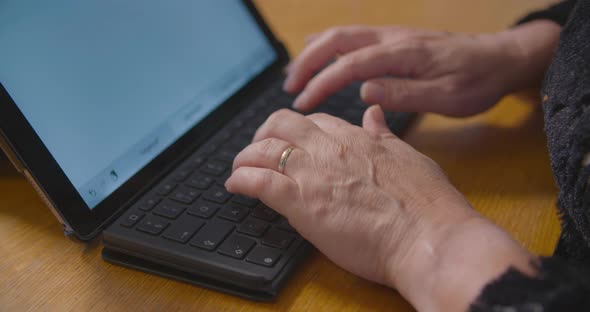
374 120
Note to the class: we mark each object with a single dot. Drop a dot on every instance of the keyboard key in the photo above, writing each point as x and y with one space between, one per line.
233 212
149 204
245 200
237 246
278 239
253 226
215 168
212 234
166 188
242 140
199 181
249 113
169 209
185 195
237 124
217 195
284 225
263 212
183 229
221 180
152 225
224 135
182 174
265 256
210 148
131 219
195 162
250 131
203 209
226 155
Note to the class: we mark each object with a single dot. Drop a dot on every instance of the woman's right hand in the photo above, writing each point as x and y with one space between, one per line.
376 207
423 71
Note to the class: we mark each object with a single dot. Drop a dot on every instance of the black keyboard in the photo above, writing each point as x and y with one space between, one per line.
192 209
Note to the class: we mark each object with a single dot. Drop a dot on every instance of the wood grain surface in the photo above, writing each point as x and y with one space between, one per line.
498 159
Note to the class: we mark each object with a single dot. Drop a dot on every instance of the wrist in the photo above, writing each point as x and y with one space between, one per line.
475 254
528 51
412 265
447 266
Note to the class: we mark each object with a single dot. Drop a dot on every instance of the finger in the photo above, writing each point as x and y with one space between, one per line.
374 121
275 190
311 38
288 126
372 62
267 154
406 95
328 123
325 48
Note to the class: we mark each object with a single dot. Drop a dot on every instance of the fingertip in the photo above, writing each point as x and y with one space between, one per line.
233 184
301 102
374 120
229 184
375 112
289 84
373 92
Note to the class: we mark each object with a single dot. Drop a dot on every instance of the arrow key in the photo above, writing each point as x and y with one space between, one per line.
237 246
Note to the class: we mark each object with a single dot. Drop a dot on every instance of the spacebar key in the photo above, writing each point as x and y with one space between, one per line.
212 234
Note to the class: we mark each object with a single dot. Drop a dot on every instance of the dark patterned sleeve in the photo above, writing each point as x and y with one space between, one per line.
558 286
558 13
562 282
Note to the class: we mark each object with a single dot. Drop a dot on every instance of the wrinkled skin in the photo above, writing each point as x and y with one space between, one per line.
361 196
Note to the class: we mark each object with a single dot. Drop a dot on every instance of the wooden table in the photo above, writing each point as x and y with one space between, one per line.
498 160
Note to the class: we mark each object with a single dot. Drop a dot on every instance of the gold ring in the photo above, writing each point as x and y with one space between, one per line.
284 158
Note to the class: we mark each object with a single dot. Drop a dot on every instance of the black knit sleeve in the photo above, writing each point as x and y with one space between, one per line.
563 281
558 13
558 286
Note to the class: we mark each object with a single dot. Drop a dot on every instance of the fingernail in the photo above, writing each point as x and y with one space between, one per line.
299 101
288 85
373 92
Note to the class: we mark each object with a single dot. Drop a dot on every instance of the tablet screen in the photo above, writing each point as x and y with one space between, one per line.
108 85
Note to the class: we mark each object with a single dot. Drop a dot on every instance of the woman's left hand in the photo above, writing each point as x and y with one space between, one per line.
367 200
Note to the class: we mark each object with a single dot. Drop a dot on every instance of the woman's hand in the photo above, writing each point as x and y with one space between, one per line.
423 71
372 204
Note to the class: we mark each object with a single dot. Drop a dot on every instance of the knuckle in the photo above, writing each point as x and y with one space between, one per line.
274 120
279 115
318 116
267 147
